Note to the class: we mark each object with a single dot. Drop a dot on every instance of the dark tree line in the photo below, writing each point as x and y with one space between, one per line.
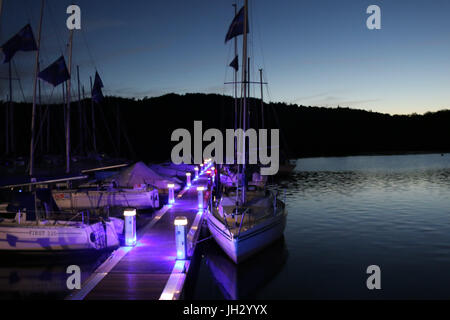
141 129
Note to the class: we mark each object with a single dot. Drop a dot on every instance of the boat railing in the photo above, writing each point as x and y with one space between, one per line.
242 221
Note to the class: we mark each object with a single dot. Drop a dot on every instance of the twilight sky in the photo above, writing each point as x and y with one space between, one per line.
314 52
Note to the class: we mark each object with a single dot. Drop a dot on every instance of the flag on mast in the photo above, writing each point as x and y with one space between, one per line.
97 94
56 73
22 41
235 63
237 26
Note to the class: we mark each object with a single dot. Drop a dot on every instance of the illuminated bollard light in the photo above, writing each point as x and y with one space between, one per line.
200 197
213 174
196 172
130 227
180 236
171 193
188 179
201 168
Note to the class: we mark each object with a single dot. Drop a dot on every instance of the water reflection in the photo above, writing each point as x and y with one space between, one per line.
42 276
243 281
353 182
348 213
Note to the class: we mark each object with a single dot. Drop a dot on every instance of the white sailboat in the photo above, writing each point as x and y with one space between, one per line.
39 226
244 230
57 235
247 219
133 187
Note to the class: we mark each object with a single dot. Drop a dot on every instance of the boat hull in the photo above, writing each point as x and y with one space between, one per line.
250 242
93 199
58 236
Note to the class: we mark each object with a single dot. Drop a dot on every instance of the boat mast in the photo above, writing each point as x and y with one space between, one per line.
40 141
93 119
9 100
68 94
244 88
48 129
80 112
235 79
236 101
8 107
33 111
248 92
262 97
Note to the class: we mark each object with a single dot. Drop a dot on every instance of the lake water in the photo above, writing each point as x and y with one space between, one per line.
346 214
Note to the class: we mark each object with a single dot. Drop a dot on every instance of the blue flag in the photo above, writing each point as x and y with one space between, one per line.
22 41
97 94
237 26
56 73
235 63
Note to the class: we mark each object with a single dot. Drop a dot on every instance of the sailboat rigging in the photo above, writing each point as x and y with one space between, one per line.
245 218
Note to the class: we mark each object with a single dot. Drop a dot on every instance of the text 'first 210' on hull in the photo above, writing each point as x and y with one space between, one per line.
58 236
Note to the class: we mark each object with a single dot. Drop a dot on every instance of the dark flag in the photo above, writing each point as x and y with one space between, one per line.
235 63
56 73
97 94
23 41
237 26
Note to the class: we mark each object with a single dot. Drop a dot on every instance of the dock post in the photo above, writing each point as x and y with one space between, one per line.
188 179
130 227
196 173
200 198
171 193
180 237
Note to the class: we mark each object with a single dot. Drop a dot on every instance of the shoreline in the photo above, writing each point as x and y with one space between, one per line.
362 154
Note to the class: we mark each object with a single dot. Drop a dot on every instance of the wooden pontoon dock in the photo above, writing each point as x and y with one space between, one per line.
150 270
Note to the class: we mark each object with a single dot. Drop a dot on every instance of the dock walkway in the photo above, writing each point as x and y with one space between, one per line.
149 271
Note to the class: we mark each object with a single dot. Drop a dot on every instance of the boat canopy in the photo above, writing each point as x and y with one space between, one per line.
138 174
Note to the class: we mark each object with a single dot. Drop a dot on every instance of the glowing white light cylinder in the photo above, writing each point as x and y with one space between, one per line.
171 193
180 236
188 179
130 227
196 172
200 197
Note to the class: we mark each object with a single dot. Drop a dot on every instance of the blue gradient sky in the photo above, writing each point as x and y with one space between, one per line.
314 52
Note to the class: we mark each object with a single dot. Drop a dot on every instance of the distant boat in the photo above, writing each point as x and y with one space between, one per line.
37 227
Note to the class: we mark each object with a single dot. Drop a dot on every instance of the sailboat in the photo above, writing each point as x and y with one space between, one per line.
37 224
247 218
133 187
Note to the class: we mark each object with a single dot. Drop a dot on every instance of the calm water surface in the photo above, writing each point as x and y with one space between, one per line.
344 215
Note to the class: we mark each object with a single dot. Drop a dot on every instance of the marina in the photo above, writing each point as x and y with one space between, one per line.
150 270
150 151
